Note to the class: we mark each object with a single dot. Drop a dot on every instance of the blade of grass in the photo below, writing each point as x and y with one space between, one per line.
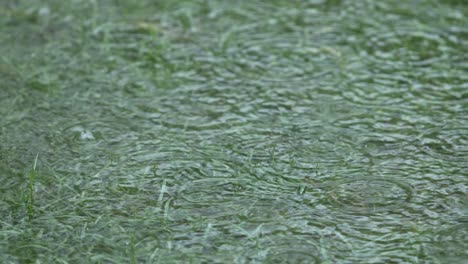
30 202
133 258
161 193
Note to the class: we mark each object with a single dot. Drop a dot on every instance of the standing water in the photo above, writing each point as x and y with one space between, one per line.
285 131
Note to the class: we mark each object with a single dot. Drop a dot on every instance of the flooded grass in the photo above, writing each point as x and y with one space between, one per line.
201 131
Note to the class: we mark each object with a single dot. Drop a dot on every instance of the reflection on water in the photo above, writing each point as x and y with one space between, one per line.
286 132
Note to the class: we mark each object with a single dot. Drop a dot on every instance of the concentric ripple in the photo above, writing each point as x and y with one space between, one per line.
449 245
292 251
447 144
421 48
96 131
210 191
216 198
368 194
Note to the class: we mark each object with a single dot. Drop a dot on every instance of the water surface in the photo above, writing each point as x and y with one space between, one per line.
234 131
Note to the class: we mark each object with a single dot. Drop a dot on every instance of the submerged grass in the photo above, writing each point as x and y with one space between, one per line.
202 131
30 197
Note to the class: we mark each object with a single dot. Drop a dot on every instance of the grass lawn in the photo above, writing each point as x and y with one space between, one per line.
218 131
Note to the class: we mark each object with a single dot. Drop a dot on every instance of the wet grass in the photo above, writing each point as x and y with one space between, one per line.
233 131
30 197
